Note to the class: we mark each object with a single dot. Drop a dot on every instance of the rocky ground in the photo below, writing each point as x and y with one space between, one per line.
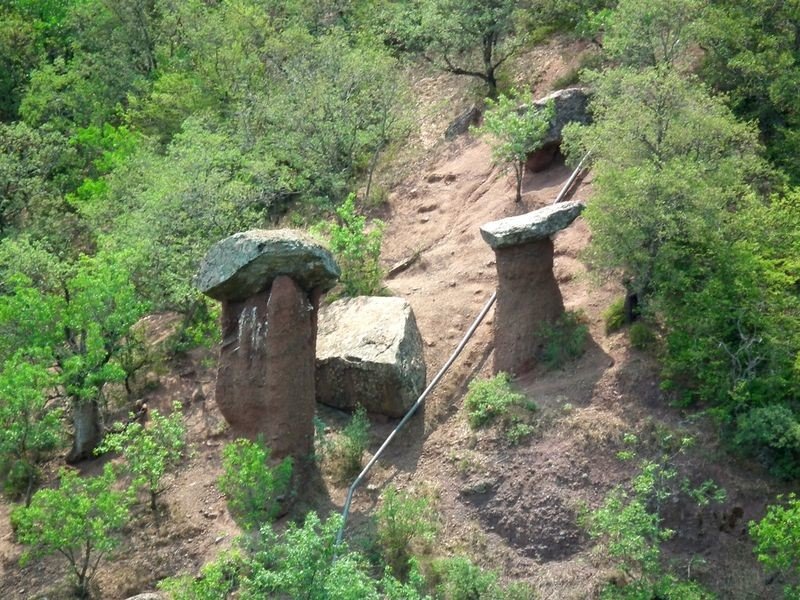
510 508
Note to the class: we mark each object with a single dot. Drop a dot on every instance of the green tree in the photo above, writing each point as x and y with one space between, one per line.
80 327
404 521
473 38
150 451
515 130
777 538
28 426
752 56
647 33
255 490
671 162
78 520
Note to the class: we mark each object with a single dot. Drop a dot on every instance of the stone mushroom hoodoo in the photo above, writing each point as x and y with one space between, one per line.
527 291
270 284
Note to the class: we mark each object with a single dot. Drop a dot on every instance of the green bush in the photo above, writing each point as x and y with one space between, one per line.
614 316
151 451
518 431
216 581
255 491
771 433
78 520
357 250
488 400
641 336
458 578
349 445
565 339
403 521
777 538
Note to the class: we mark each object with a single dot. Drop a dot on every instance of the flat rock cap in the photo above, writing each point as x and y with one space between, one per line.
246 263
530 227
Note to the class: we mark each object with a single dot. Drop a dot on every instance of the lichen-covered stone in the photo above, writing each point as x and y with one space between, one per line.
246 263
530 227
570 105
369 352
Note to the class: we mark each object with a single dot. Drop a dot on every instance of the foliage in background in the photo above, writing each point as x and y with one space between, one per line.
472 37
254 489
777 538
80 327
80 520
150 451
515 127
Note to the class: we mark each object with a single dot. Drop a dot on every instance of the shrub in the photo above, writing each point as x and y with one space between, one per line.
641 336
77 520
357 250
254 490
349 446
216 581
458 578
306 562
565 339
518 431
777 538
149 452
772 433
490 399
614 316
404 520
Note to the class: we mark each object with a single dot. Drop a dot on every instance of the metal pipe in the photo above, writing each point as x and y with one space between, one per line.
571 179
409 414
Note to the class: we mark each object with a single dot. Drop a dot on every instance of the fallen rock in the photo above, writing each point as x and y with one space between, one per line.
570 106
463 122
536 225
246 263
369 352
148 596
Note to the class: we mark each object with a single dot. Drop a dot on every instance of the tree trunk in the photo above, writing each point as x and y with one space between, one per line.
87 429
519 171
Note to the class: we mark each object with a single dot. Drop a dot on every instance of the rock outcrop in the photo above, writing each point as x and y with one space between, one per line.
270 284
527 292
369 352
570 105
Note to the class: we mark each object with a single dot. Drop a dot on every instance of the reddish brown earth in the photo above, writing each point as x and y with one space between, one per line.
510 508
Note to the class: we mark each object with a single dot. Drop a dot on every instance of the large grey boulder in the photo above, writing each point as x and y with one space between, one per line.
246 263
369 352
570 106
530 227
